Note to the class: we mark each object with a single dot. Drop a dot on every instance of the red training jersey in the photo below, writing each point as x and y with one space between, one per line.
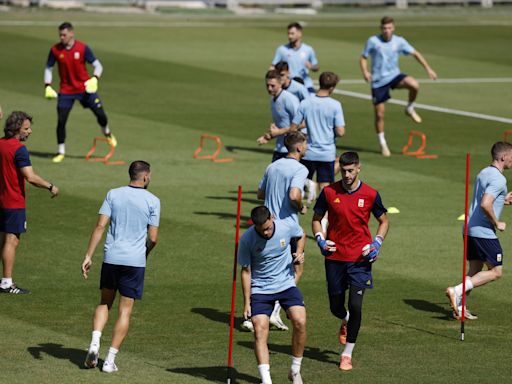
13 156
349 214
72 69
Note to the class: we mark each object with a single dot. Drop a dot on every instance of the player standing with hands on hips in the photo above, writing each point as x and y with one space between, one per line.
348 246
75 84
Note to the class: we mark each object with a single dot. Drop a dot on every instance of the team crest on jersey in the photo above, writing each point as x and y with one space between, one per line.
77 55
61 56
499 257
337 200
282 242
303 55
360 203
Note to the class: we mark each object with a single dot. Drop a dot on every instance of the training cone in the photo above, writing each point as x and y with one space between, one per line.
393 210
461 217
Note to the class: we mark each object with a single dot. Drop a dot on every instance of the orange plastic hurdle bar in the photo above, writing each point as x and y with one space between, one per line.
212 157
105 159
506 134
420 152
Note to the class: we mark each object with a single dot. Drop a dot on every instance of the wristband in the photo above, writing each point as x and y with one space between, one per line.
319 234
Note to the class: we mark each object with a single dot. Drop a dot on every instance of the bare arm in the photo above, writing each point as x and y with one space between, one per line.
316 224
486 204
299 253
96 235
383 227
340 131
246 289
295 195
363 64
152 238
1 112
261 194
37 181
418 56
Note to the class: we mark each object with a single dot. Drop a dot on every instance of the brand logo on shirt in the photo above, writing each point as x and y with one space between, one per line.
337 200
77 55
360 203
283 243
61 56
498 257
369 282
303 55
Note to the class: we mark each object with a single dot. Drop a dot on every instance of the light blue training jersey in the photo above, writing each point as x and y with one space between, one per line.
384 57
298 90
322 114
283 108
280 176
130 210
491 181
296 59
270 260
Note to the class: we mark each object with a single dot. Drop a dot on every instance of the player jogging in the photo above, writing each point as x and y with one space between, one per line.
299 90
134 215
16 168
281 187
384 51
75 84
300 57
267 275
483 248
348 246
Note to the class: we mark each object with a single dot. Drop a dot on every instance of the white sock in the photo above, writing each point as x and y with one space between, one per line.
264 370
61 148
277 309
112 352
469 286
95 339
349 347
296 362
410 106
382 139
105 130
6 282
347 317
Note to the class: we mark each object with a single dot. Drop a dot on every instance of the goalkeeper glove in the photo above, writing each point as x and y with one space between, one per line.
91 85
49 92
327 247
371 251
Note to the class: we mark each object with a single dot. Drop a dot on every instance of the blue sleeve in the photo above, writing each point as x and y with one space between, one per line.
263 182
292 106
299 116
496 186
244 253
22 157
339 119
321 204
296 230
312 57
367 48
304 92
154 213
405 47
277 56
106 207
299 178
51 60
89 56
378 208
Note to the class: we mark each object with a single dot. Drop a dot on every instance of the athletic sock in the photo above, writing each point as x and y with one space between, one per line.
61 148
296 362
349 347
112 352
382 139
277 309
264 370
105 130
347 316
6 282
469 286
95 339
410 106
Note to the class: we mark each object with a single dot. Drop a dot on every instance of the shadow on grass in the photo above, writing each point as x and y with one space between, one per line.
235 198
313 353
75 356
218 316
214 374
47 155
226 216
427 306
234 148
346 148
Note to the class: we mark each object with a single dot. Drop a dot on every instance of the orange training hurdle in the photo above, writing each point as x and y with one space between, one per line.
212 157
105 159
420 152
506 134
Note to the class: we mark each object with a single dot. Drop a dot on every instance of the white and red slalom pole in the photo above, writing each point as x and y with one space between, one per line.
466 207
233 289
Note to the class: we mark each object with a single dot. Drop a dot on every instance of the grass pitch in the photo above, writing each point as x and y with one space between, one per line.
167 80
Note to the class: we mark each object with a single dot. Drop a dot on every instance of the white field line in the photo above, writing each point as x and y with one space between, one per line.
429 107
476 80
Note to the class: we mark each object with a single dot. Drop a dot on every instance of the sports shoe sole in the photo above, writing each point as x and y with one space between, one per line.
91 360
450 293
414 116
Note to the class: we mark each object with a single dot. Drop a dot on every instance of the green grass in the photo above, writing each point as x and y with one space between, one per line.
167 80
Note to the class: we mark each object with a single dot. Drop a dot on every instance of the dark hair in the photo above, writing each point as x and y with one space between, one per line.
328 80
138 167
499 148
281 66
14 123
349 158
66 25
299 79
272 74
293 139
295 25
387 20
259 215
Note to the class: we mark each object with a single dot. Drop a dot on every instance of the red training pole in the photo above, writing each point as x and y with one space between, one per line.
466 207
233 288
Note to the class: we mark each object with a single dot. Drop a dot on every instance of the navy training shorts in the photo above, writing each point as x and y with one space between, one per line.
341 274
324 170
381 94
13 220
486 250
263 304
129 281
88 100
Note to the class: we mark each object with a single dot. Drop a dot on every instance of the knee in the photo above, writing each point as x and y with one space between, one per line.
299 324
355 308
12 241
498 272
338 310
414 85
379 115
